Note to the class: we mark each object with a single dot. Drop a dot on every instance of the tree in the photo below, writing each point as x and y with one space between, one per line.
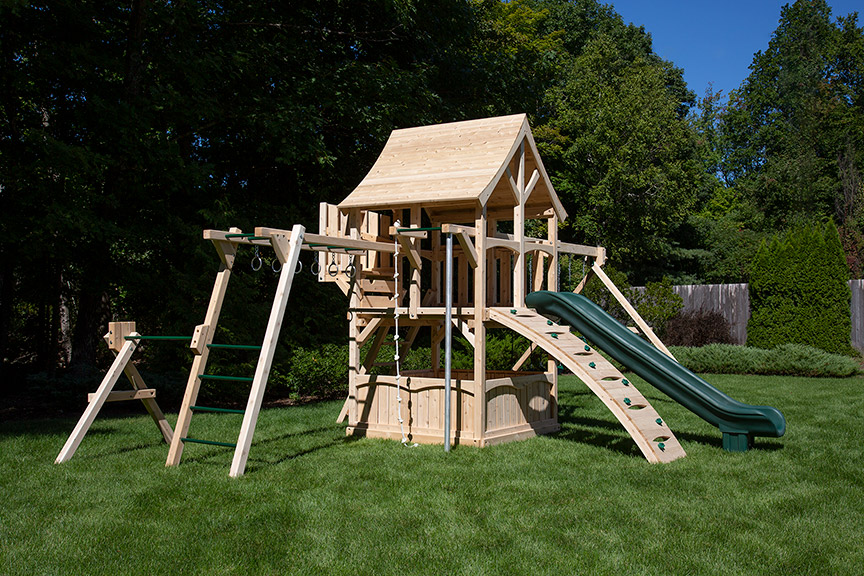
126 129
621 152
796 125
799 291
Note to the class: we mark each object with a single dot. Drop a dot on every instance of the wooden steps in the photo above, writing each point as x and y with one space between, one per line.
630 407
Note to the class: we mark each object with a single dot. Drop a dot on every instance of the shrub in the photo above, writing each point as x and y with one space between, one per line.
785 360
799 292
698 328
322 371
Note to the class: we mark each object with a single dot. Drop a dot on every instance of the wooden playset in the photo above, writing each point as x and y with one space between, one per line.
435 238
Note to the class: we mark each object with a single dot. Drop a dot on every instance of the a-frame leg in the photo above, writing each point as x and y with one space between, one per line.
288 252
97 400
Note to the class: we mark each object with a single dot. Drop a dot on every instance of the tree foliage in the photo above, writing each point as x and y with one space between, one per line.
799 291
127 129
617 141
795 128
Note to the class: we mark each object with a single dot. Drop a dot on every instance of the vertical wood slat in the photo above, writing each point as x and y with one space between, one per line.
857 313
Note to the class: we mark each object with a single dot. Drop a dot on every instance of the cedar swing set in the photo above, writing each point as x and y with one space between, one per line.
419 246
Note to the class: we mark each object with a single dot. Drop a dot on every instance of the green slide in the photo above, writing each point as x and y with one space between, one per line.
738 422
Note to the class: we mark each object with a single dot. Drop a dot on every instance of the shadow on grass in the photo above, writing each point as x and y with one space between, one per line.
585 430
331 436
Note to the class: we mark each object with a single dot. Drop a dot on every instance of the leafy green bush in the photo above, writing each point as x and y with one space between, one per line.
784 360
799 292
322 372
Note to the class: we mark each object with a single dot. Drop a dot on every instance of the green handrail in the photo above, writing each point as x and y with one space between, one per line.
210 442
139 337
235 346
218 410
220 377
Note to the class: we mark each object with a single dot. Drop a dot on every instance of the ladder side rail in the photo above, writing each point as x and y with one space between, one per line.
227 251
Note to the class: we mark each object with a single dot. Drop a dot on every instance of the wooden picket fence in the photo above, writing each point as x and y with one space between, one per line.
733 302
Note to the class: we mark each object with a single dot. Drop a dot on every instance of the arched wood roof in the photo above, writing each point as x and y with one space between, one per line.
446 168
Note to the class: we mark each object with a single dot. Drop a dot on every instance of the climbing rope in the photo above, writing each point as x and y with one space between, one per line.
396 341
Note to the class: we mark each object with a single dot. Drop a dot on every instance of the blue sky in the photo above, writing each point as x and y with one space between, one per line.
713 41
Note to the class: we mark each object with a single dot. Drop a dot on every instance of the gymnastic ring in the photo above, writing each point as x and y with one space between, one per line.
316 267
257 262
333 269
299 267
351 271
273 265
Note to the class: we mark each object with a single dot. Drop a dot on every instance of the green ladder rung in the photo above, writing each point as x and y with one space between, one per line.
219 377
220 410
157 337
210 442
235 346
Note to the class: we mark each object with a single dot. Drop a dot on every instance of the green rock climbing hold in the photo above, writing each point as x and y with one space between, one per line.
627 401
659 421
549 322
512 311
625 382
554 335
592 365
587 348
661 446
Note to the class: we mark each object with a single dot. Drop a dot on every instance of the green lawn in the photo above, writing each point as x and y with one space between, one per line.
314 502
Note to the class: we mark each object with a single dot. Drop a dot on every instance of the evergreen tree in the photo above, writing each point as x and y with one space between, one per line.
799 291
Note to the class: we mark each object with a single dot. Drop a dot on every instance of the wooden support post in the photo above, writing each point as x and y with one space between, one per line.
226 251
480 272
552 285
353 329
537 264
490 264
519 234
414 302
268 349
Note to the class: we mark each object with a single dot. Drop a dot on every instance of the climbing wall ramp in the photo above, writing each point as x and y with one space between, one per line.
648 430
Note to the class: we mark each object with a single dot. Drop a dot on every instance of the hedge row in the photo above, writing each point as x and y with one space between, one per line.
784 360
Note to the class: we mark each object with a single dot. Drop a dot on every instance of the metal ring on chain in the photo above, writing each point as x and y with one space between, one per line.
299 267
316 266
273 265
333 269
257 262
